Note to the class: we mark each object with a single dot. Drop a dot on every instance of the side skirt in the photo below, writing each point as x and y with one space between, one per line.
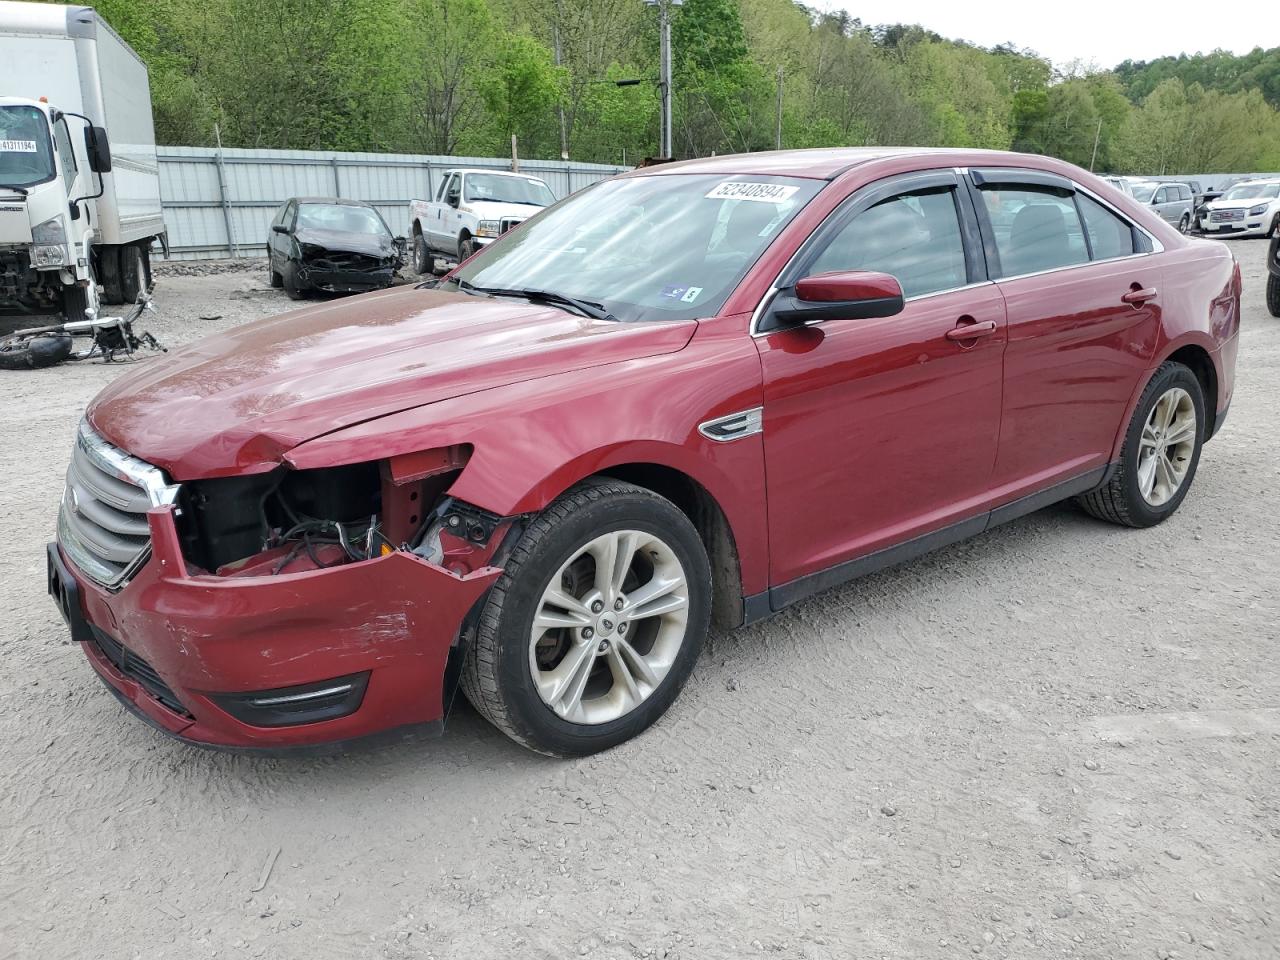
761 605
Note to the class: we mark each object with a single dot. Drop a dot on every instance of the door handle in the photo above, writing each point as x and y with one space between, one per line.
1139 295
971 331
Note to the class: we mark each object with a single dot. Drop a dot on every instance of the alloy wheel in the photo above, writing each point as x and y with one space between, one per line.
609 626
1166 446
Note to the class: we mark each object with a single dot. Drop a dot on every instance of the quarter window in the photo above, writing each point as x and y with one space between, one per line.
1109 236
914 237
1034 229
66 153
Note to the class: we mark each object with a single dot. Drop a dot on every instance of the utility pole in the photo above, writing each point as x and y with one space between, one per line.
778 122
1096 137
555 33
664 84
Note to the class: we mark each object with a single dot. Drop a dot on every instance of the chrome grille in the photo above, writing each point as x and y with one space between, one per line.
102 523
1225 216
506 223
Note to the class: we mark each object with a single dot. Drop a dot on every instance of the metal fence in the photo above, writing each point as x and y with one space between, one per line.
220 203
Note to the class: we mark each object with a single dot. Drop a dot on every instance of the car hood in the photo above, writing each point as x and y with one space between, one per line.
236 402
1239 204
340 241
494 210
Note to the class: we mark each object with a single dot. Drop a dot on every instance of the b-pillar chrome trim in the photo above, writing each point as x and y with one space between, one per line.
744 423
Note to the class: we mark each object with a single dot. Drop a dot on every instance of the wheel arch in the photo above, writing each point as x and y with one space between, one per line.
1199 357
1200 362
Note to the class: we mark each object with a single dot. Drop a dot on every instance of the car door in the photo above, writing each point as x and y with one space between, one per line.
1082 297
877 431
273 238
435 228
1166 203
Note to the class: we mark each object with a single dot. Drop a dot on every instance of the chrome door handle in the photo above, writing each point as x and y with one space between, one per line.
971 331
1140 296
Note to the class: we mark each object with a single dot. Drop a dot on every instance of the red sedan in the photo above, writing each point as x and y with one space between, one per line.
696 392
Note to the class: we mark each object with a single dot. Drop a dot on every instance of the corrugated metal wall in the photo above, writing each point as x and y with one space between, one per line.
205 196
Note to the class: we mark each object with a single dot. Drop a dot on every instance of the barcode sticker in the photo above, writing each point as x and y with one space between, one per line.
759 192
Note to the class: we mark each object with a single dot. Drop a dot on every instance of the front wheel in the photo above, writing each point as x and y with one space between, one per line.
1184 225
1273 294
423 261
1160 454
594 625
466 248
293 288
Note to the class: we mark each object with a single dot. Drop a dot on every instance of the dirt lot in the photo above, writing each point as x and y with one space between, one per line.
1057 740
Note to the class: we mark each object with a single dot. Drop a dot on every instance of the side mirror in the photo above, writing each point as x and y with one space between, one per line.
98 148
844 295
279 228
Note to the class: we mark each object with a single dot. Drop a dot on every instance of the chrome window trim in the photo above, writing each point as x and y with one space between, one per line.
1156 247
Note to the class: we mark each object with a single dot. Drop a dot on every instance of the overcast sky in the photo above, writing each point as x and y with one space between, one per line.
1103 31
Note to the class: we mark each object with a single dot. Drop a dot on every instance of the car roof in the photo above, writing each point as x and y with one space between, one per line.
339 201
496 173
827 163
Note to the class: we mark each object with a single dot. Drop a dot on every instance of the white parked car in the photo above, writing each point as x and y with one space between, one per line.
1250 208
471 208
1121 184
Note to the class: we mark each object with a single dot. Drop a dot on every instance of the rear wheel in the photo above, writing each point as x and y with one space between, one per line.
133 273
595 623
1275 225
1273 294
34 353
1160 454
1184 225
110 275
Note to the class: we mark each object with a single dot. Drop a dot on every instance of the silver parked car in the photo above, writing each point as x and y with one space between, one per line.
1173 201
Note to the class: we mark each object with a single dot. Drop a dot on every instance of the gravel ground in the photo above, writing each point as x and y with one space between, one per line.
1059 739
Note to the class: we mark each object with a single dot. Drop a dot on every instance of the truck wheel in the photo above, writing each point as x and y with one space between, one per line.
423 261
466 248
289 278
31 354
109 275
133 273
1160 454
595 623
1273 294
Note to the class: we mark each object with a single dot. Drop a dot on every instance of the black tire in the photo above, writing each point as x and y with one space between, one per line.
35 353
1275 226
423 260
274 277
1184 225
496 676
75 303
293 289
110 275
1120 500
1273 294
466 247
133 273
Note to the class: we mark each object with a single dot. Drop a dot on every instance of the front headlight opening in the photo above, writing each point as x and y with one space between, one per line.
1258 211
51 231
487 228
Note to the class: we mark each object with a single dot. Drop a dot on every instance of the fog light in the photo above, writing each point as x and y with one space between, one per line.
48 256
290 706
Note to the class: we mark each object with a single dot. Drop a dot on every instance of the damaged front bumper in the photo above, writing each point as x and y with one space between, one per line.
351 274
295 660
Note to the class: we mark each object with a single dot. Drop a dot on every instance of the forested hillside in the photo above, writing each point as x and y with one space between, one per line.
462 76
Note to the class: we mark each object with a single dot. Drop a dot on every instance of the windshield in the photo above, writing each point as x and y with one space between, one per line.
527 190
1144 191
666 247
1250 191
26 155
340 217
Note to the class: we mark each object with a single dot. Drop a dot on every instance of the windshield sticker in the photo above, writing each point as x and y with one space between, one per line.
17 146
680 291
759 192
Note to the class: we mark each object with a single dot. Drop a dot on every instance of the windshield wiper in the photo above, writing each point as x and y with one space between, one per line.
587 308
19 190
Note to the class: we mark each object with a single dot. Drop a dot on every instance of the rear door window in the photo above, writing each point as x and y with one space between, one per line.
1035 228
914 237
1109 235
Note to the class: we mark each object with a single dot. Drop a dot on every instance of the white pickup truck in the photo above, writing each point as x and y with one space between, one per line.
470 209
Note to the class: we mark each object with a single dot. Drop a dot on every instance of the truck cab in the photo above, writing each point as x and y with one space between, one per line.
50 164
470 209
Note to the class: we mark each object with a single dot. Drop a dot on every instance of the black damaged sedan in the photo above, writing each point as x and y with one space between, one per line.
339 246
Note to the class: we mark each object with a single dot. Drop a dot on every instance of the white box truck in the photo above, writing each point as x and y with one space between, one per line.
77 210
